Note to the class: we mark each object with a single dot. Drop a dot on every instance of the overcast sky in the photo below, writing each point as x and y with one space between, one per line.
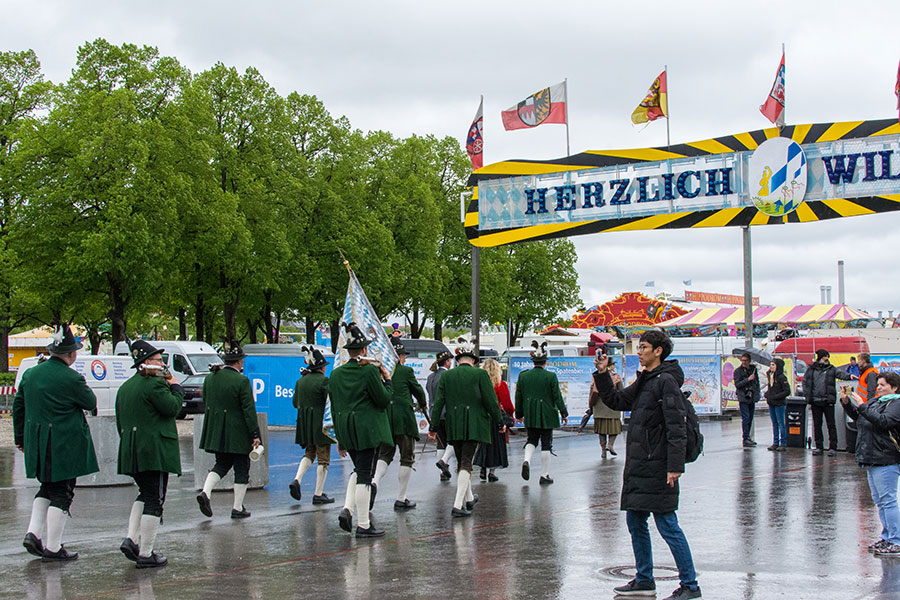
419 67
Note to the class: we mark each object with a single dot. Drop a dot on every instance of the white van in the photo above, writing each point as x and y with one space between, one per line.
183 358
103 374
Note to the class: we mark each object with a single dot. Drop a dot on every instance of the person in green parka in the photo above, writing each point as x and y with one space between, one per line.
404 428
360 393
471 410
51 429
310 398
146 407
230 429
540 403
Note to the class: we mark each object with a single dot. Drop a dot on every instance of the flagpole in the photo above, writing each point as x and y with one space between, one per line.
668 140
566 86
784 108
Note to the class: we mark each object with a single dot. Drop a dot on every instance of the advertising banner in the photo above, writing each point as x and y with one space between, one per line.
729 392
703 378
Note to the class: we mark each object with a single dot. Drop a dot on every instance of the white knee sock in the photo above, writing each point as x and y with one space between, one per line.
321 474
448 454
149 527
545 463
240 490
469 495
134 522
529 450
463 481
363 494
380 470
301 470
56 522
38 516
350 496
403 476
211 480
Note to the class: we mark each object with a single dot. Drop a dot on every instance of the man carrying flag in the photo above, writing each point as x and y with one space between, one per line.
773 108
545 106
655 104
475 139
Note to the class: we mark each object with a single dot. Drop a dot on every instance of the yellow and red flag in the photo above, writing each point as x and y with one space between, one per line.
655 104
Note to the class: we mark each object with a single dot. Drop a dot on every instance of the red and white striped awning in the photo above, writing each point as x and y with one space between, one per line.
802 313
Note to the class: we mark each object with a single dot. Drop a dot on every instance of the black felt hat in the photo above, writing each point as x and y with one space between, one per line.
231 351
441 357
141 351
399 348
63 341
355 337
314 358
465 348
539 354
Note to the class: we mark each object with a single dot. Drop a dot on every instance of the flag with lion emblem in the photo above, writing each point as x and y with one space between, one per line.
545 106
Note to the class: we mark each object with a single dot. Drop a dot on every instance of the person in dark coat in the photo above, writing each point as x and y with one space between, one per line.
776 397
442 363
50 428
747 384
654 460
146 407
877 422
310 398
404 428
821 395
230 428
539 403
360 394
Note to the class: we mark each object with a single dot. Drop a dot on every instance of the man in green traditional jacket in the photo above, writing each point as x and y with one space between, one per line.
472 409
230 429
310 397
404 428
540 403
146 407
51 429
359 394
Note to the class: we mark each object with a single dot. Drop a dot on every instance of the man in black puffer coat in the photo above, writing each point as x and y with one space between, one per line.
654 460
821 395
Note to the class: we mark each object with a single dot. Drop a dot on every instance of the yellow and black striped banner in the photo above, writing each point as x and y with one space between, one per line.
807 211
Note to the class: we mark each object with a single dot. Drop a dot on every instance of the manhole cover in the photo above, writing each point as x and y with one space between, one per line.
628 572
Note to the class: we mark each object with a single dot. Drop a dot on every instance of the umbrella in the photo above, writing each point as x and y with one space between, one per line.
585 419
756 355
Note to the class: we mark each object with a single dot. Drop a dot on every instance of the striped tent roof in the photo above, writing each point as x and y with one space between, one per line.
802 313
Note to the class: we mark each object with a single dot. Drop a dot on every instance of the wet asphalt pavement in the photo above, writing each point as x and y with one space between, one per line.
761 525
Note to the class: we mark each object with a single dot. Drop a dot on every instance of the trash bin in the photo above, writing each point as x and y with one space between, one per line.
795 419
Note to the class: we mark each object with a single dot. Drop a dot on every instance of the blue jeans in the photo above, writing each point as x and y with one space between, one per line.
883 484
746 418
779 428
667 525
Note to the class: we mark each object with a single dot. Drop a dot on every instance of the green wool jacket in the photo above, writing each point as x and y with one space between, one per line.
538 399
310 396
359 401
401 411
472 407
49 422
229 422
146 408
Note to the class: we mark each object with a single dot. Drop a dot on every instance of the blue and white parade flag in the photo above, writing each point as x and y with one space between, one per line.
358 309
650 284
686 282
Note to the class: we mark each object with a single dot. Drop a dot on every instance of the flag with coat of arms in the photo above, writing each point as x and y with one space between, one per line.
475 138
773 108
655 104
545 106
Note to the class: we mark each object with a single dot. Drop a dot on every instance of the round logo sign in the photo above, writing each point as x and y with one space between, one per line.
777 176
98 370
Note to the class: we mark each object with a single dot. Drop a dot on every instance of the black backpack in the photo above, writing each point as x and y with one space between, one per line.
693 447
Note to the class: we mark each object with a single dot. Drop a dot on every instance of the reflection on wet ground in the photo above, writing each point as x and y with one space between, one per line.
761 525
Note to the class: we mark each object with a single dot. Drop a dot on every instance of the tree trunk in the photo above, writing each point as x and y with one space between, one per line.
310 330
335 330
277 336
182 324
199 310
229 308
4 348
438 330
251 332
116 314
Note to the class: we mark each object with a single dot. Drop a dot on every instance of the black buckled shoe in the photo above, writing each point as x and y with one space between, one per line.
295 490
33 544
323 498
545 480
151 562
130 549
60 555
445 469
470 505
371 532
345 520
492 478
526 470
240 514
460 512
203 501
405 504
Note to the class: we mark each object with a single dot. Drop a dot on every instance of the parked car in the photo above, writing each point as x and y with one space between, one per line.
423 348
193 396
